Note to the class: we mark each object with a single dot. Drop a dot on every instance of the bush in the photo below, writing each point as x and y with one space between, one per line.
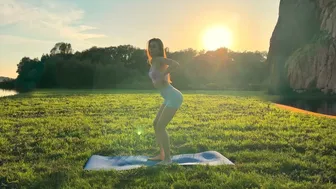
8 84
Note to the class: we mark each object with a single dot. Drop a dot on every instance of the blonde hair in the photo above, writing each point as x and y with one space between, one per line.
161 54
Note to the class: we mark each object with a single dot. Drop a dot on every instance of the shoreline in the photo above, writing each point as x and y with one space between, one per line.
293 109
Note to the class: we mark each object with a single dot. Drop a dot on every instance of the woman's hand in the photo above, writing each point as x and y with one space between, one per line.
168 61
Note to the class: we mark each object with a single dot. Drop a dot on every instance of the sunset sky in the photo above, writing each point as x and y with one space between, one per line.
32 27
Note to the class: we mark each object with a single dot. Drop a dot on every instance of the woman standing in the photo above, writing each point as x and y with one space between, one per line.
161 66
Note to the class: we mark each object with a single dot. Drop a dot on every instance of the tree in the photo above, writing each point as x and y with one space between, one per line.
126 66
30 72
61 48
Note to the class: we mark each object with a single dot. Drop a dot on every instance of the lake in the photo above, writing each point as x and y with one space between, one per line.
7 93
321 106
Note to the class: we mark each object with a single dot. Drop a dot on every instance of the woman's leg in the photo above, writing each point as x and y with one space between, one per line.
161 155
166 116
173 101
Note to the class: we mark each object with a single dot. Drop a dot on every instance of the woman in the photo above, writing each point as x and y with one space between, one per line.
161 66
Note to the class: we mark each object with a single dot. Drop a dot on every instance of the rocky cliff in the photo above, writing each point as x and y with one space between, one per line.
302 53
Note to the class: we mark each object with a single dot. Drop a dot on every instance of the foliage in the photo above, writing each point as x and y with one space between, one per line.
7 84
126 66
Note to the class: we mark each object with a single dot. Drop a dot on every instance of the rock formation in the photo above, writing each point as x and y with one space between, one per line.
302 53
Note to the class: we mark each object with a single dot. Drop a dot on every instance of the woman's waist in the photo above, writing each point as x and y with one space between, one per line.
161 85
168 88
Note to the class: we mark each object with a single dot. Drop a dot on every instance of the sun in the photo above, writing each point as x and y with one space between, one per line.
217 37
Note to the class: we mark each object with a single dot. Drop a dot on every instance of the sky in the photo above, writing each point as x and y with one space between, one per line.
32 27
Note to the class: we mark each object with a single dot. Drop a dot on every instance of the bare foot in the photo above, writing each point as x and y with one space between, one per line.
157 158
165 162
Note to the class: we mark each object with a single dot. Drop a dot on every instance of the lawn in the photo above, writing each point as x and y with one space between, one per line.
47 136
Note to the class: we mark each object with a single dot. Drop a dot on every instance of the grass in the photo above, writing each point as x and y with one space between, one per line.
47 136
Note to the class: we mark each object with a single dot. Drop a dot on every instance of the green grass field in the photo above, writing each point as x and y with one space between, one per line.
47 136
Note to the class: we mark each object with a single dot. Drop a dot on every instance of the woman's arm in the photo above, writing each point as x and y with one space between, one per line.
172 64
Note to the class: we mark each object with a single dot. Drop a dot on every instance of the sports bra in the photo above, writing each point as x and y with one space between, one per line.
154 74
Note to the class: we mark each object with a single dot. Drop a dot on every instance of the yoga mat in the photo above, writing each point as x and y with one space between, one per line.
98 162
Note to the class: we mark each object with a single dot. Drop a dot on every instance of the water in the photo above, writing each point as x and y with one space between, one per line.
321 106
7 93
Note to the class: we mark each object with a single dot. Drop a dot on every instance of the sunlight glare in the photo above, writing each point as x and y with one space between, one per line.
217 37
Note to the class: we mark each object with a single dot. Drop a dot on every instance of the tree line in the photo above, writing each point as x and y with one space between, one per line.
126 67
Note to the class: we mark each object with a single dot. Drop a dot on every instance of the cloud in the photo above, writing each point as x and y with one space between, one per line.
18 40
85 27
10 13
60 21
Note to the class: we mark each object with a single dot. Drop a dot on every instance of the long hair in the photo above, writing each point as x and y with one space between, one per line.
162 53
161 49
